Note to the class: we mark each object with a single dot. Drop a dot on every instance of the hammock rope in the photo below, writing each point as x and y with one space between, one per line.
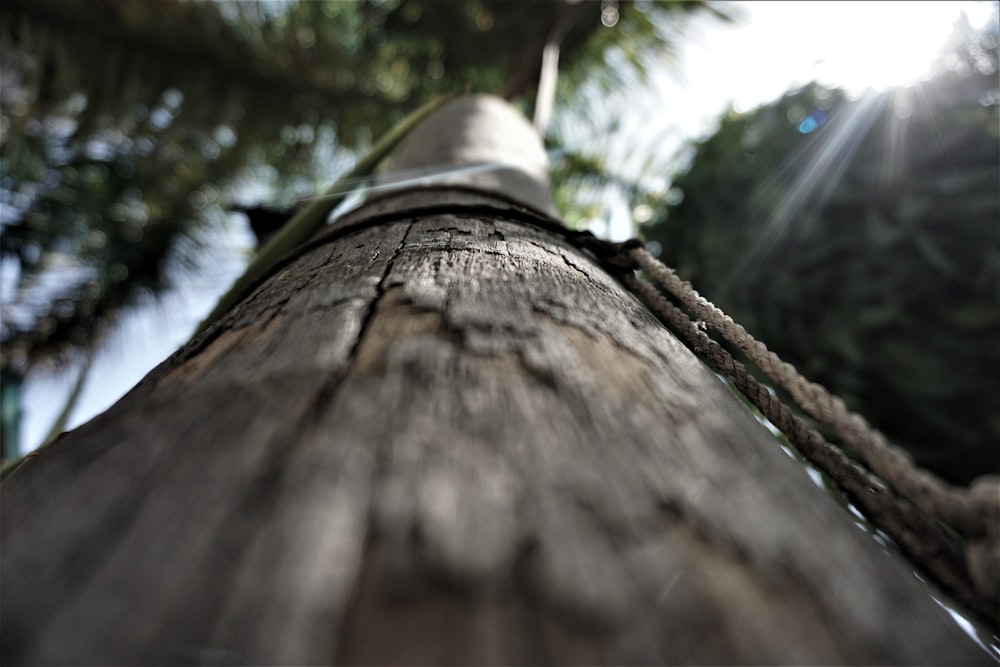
974 512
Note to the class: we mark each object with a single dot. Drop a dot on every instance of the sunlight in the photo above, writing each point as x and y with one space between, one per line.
892 44
865 47
858 46
818 169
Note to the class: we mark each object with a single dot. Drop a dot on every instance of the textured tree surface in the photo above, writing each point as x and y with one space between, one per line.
448 437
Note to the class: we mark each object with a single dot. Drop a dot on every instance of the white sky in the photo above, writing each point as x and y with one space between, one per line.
848 44
780 46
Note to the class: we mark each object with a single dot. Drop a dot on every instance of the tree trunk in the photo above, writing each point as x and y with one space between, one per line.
441 434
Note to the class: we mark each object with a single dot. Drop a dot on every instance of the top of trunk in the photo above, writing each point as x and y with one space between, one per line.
477 141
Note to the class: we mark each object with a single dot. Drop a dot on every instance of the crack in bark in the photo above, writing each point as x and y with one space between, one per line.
329 389
380 291
561 253
262 488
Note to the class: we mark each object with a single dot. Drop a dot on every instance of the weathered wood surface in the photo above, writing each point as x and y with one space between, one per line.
443 439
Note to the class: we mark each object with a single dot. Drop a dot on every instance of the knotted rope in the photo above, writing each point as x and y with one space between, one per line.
972 511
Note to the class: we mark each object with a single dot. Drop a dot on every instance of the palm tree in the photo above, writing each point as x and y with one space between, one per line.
440 431
124 123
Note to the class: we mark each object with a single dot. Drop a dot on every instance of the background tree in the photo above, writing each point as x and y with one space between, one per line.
859 239
128 127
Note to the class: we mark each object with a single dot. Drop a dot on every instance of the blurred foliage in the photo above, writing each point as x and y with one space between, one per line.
861 241
359 64
92 224
125 124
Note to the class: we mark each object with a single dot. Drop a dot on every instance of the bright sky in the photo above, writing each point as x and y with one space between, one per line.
780 46
854 45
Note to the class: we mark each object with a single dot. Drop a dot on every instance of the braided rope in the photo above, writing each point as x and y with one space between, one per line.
917 534
975 511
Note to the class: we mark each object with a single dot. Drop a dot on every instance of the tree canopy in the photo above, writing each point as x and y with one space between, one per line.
859 239
124 122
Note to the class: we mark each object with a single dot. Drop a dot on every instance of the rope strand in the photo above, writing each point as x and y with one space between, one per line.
919 536
974 511
949 503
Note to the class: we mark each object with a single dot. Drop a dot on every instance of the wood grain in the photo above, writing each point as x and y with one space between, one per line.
446 439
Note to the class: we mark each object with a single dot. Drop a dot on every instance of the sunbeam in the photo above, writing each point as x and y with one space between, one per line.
820 165
894 148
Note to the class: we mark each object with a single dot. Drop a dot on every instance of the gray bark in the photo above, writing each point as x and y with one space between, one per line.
446 438
439 434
